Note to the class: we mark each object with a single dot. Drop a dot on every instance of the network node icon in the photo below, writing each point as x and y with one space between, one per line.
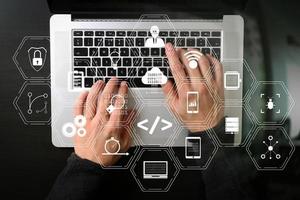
270 149
193 57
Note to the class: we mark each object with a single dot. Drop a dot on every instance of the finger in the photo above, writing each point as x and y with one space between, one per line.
105 99
217 69
117 115
194 73
204 65
169 91
79 103
176 66
91 102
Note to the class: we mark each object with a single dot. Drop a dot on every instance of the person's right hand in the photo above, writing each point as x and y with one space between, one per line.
101 125
187 79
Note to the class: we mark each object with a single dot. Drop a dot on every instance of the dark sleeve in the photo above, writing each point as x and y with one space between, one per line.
80 179
230 174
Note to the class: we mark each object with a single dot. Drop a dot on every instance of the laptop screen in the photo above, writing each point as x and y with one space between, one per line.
143 6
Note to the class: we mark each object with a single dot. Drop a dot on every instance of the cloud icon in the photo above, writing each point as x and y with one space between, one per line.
154 77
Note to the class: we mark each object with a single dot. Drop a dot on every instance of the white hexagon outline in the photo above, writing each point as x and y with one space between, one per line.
177 170
213 153
286 136
290 106
14 58
15 102
246 140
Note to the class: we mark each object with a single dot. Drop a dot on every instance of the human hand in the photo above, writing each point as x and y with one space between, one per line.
209 72
101 125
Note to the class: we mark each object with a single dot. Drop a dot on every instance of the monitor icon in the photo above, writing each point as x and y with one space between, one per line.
155 169
232 80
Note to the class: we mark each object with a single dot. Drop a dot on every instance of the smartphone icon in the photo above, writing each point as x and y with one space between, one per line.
193 147
192 104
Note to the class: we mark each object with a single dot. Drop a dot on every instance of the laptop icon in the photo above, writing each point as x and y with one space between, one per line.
155 169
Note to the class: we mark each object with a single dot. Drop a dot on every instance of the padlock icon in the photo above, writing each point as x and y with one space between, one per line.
37 59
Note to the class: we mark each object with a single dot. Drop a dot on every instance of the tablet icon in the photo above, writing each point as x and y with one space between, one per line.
193 147
192 104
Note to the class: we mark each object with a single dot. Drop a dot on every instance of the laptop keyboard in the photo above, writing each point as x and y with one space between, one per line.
102 54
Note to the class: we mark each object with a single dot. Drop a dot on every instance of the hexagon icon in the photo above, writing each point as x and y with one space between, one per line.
197 152
33 103
154 169
239 80
155 124
270 103
270 148
190 112
237 126
32 57
113 146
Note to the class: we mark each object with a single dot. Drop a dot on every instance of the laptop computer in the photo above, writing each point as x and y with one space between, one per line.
92 40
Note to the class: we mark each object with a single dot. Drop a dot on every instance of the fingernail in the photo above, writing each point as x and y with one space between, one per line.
124 83
168 46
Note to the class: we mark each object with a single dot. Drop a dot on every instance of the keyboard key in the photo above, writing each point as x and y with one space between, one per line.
101 71
98 42
82 62
142 71
106 62
110 33
80 70
88 41
131 33
214 42
154 51
127 62
88 33
132 71
166 62
103 51
80 51
96 61
137 82
124 52
170 40
140 42
205 33
78 42
114 52
137 61
147 62
121 33
91 71
190 42
122 71
111 72
99 33
145 51
93 51
200 42
119 42
205 50
157 62
142 33
216 33
88 82
78 33
163 33
162 52
195 33
184 33
180 42
98 78
216 52
164 70
109 42
174 33
134 52
129 42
